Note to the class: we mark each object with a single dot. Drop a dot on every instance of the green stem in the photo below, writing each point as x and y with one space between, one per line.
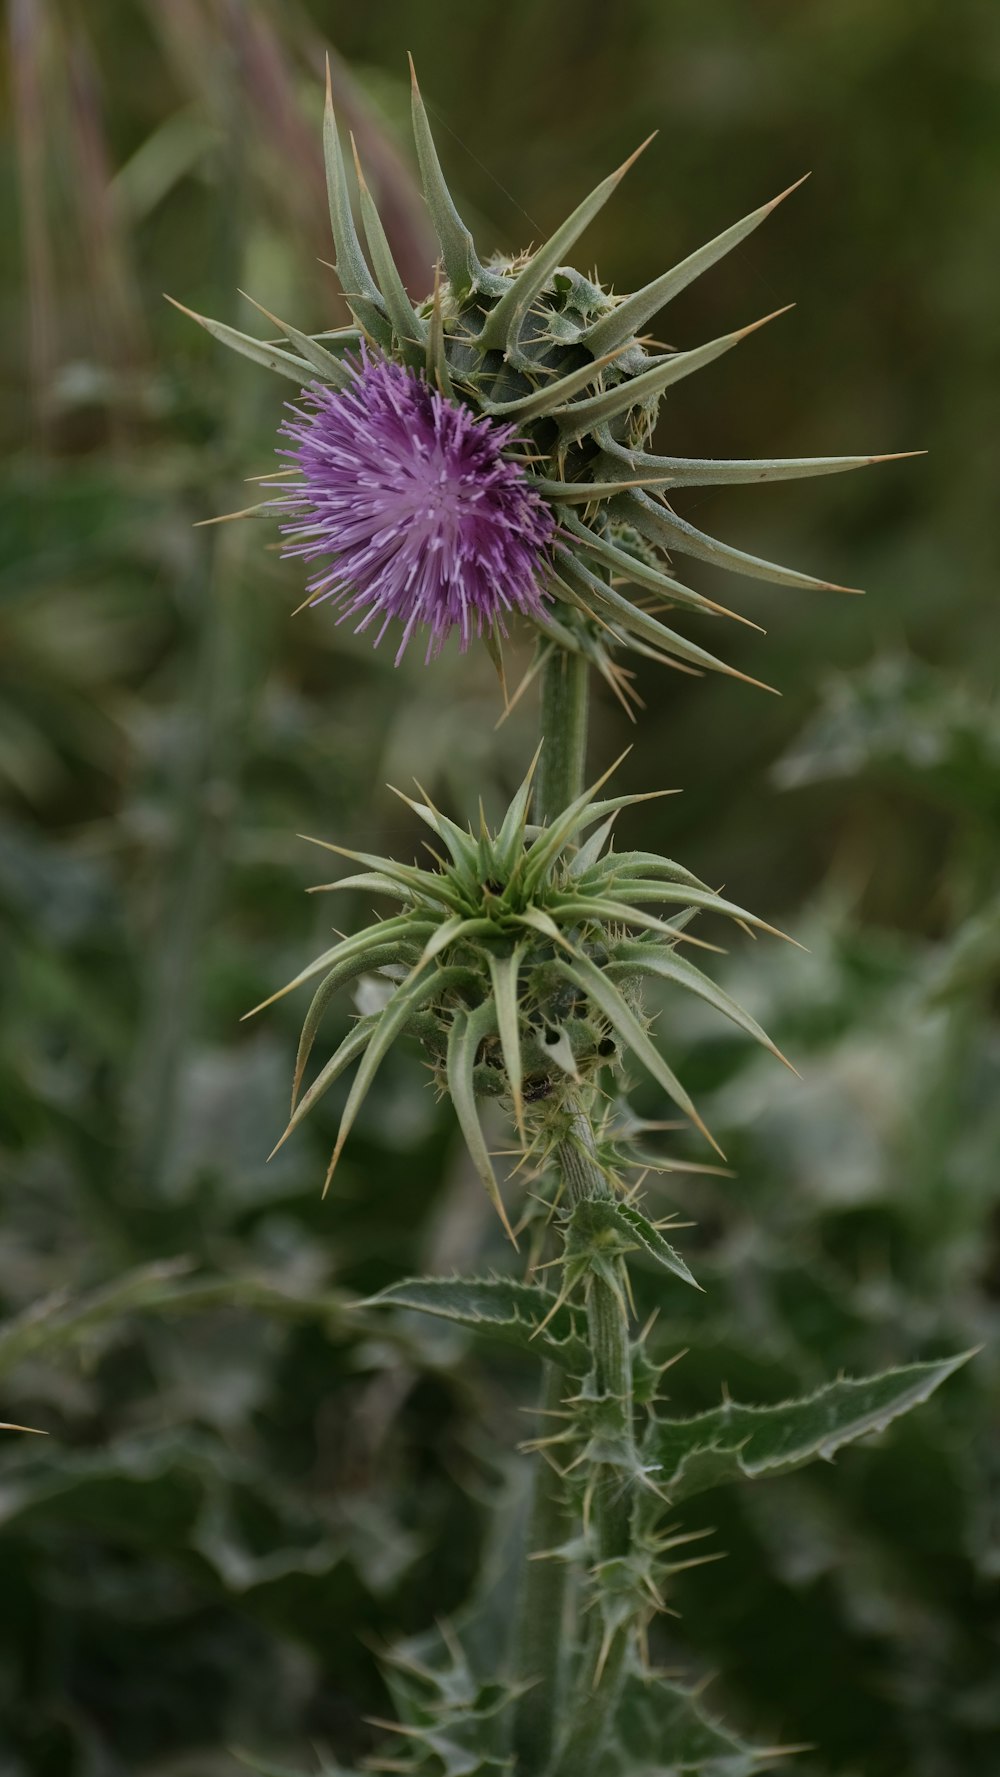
565 699
540 1631
540 1635
602 1667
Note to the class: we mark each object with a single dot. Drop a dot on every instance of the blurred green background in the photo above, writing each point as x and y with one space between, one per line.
248 1485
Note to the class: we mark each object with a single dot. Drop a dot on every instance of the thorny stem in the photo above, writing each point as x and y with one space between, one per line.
541 1620
602 1667
540 1627
541 1638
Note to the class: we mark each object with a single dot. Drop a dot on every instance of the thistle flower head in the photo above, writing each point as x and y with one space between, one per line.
539 386
518 963
411 495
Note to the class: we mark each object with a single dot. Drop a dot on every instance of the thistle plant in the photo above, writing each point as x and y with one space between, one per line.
464 463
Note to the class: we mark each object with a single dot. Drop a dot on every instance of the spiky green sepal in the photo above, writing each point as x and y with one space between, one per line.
518 962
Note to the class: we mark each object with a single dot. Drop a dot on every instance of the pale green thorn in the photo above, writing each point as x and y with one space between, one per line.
409 329
457 248
581 416
363 295
329 367
502 324
259 351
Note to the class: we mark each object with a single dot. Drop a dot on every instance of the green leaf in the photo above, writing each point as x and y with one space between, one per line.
458 840
670 532
581 972
633 1223
468 1030
409 329
737 1443
551 839
500 1307
637 865
386 931
329 368
546 400
668 966
353 1045
629 567
257 350
738 472
618 904
364 298
503 974
578 417
457 248
636 620
338 977
390 1024
660 1730
642 305
432 884
509 842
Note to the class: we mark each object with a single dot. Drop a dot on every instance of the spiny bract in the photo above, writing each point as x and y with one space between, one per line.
530 343
518 962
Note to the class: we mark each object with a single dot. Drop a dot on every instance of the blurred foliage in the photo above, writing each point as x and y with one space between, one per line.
248 1482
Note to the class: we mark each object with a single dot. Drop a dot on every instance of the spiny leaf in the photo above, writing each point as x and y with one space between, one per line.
353 1045
504 975
549 396
346 971
670 967
634 864
642 305
385 931
510 838
544 850
460 843
363 295
457 248
453 931
737 472
409 329
733 1442
589 588
501 1308
684 895
372 880
502 322
581 972
329 367
390 1024
635 1226
670 532
435 354
589 854
581 416
660 1729
468 1029
429 884
628 567
258 351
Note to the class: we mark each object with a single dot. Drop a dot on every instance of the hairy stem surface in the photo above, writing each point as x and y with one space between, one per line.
541 1625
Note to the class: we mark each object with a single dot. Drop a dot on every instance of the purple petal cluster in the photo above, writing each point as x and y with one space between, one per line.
410 504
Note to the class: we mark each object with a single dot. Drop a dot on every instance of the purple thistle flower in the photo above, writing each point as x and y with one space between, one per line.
410 503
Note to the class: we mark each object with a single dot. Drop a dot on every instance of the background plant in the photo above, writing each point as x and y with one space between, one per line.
119 834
